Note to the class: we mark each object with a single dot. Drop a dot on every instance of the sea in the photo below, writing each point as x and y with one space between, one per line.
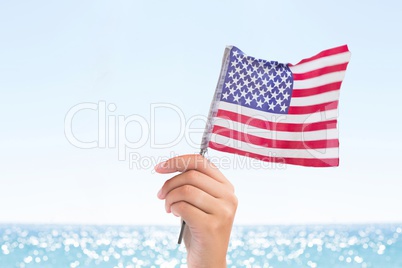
369 245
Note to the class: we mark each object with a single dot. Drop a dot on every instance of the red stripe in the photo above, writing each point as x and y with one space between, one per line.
297 93
308 162
313 108
271 143
329 124
274 126
325 53
319 72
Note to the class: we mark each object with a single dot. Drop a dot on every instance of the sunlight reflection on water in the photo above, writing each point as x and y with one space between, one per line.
363 246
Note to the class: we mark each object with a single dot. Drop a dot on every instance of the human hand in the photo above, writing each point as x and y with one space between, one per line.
205 200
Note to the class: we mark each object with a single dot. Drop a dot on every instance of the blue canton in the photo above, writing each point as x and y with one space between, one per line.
257 84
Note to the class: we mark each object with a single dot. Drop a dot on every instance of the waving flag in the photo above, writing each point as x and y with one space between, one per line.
278 112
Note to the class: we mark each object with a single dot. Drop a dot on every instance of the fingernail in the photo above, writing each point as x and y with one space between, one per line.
160 194
161 165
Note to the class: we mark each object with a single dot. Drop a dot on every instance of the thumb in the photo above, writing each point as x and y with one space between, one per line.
163 167
183 163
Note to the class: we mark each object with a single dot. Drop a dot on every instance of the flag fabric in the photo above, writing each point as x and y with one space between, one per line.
278 112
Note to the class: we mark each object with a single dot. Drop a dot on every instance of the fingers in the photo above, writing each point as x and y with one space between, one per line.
198 190
200 194
190 214
191 162
192 196
196 179
200 210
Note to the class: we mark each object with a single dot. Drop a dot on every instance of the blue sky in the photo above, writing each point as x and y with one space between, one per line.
135 54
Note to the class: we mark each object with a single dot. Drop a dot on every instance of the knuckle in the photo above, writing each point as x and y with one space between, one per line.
231 187
198 161
186 190
167 183
228 214
225 219
179 206
192 175
234 201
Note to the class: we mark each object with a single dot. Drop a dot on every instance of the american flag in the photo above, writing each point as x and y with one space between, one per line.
278 112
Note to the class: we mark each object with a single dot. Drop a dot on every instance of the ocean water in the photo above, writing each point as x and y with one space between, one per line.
156 246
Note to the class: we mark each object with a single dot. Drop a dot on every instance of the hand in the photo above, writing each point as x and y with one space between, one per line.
205 200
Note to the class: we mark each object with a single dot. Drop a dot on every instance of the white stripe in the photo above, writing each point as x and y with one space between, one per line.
321 80
279 118
315 99
321 63
275 152
277 135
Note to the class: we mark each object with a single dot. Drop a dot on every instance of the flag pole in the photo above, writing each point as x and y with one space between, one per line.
212 113
183 223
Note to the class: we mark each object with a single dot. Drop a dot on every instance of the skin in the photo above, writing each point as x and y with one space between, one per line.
202 196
